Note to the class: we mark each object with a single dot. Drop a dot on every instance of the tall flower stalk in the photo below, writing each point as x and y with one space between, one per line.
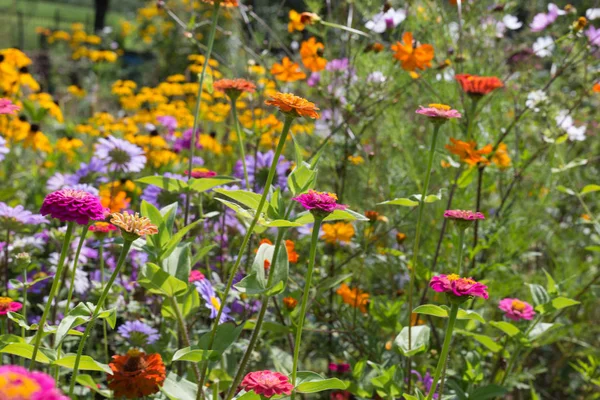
84 231
445 349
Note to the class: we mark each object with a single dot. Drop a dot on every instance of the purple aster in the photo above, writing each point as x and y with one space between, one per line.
425 380
14 218
213 303
168 122
120 155
92 172
185 141
593 35
3 149
159 197
258 170
338 64
60 181
138 333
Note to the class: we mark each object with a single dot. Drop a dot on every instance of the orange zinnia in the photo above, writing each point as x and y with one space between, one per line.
234 87
291 251
295 23
293 105
501 157
354 297
411 55
311 52
287 71
596 88
468 153
224 3
136 374
478 85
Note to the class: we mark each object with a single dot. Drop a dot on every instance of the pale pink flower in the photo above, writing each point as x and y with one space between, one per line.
7 107
438 111
516 309
464 215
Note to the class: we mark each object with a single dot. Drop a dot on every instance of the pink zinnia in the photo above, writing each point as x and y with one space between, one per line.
7 107
463 215
195 276
267 383
319 202
339 367
73 205
198 173
18 383
457 286
8 305
516 309
438 111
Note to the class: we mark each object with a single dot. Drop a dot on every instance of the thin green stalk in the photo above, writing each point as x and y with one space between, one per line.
461 240
211 41
413 265
517 352
24 299
104 326
84 232
445 350
311 265
184 333
471 116
259 321
236 122
53 290
88 329
286 128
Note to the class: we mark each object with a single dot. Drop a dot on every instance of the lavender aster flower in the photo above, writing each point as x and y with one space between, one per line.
593 35
3 149
213 303
185 141
159 197
14 218
138 333
258 170
120 155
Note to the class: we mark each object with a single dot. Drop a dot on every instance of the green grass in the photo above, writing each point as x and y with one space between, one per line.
42 14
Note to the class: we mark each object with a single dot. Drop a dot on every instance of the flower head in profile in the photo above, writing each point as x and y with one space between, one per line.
463 215
8 305
413 56
459 289
133 226
319 202
138 333
70 205
136 374
354 297
17 383
16 218
120 155
195 276
290 303
234 87
287 71
439 112
516 309
267 383
102 229
293 105
478 85
199 173
469 153
340 368
7 107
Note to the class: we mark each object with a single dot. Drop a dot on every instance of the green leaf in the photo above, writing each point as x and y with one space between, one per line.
409 397
506 327
227 333
590 189
431 309
344 215
194 354
400 202
178 388
178 263
148 210
203 184
488 392
25 350
556 304
330 283
246 198
566 190
470 315
178 237
86 363
551 285
163 182
541 329
483 339
202 253
466 177
153 278
301 179
87 381
187 302
539 294
169 213
310 382
420 340
256 282
247 396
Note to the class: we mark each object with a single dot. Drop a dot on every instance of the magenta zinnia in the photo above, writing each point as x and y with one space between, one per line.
440 111
457 286
19 384
73 205
516 309
320 202
8 305
267 383
463 215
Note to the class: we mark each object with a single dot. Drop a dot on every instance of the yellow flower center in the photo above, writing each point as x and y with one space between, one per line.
5 302
518 305
134 353
442 107
453 277
215 303
17 386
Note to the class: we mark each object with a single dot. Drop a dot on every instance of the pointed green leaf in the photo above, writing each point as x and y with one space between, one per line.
431 309
506 327
401 202
310 382
203 184
25 350
420 340
166 183
590 189
153 278
86 363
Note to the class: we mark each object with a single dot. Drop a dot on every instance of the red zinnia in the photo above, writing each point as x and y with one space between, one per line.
267 383
136 374
478 85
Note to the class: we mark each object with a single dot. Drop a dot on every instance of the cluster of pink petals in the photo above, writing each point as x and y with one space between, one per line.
516 309
458 286
16 383
7 305
7 107
542 20
319 201
463 215
195 276
73 205
201 173
339 368
438 112
267 383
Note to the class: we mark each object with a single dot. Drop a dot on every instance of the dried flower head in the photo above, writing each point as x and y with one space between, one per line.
133 226
293 105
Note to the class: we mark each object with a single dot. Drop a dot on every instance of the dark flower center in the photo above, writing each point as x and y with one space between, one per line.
119 156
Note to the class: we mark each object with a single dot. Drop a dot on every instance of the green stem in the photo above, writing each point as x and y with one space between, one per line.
88 329
184 333
261 315
104 326
211 41
445 350
286 128
84 232
53 290
517 352
471 116
413 265
240 140
461 240
311 265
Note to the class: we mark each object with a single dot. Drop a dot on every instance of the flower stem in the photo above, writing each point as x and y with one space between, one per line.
445 350
286 128
413 265
461 240
211 42
311 265
88 329
184 333
104 328
24 299
53 290
236 122
6 262
84 232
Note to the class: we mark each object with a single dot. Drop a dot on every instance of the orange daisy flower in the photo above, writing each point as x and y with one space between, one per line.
291 251
293 105
501 157
136 374
468 153
290 303
224 3
295 23
287 71
596 87
412 56
311 52
354 297
234 87
478 85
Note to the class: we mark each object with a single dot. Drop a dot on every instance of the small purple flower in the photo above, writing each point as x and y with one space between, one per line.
73 205
14 218
168 122
3 149
258 169
338 64
185 141
120 155
425 380
212 302
593 35
314 79
159 197
541 21
138 333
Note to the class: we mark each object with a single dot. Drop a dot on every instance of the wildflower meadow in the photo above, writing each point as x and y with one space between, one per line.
244 199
